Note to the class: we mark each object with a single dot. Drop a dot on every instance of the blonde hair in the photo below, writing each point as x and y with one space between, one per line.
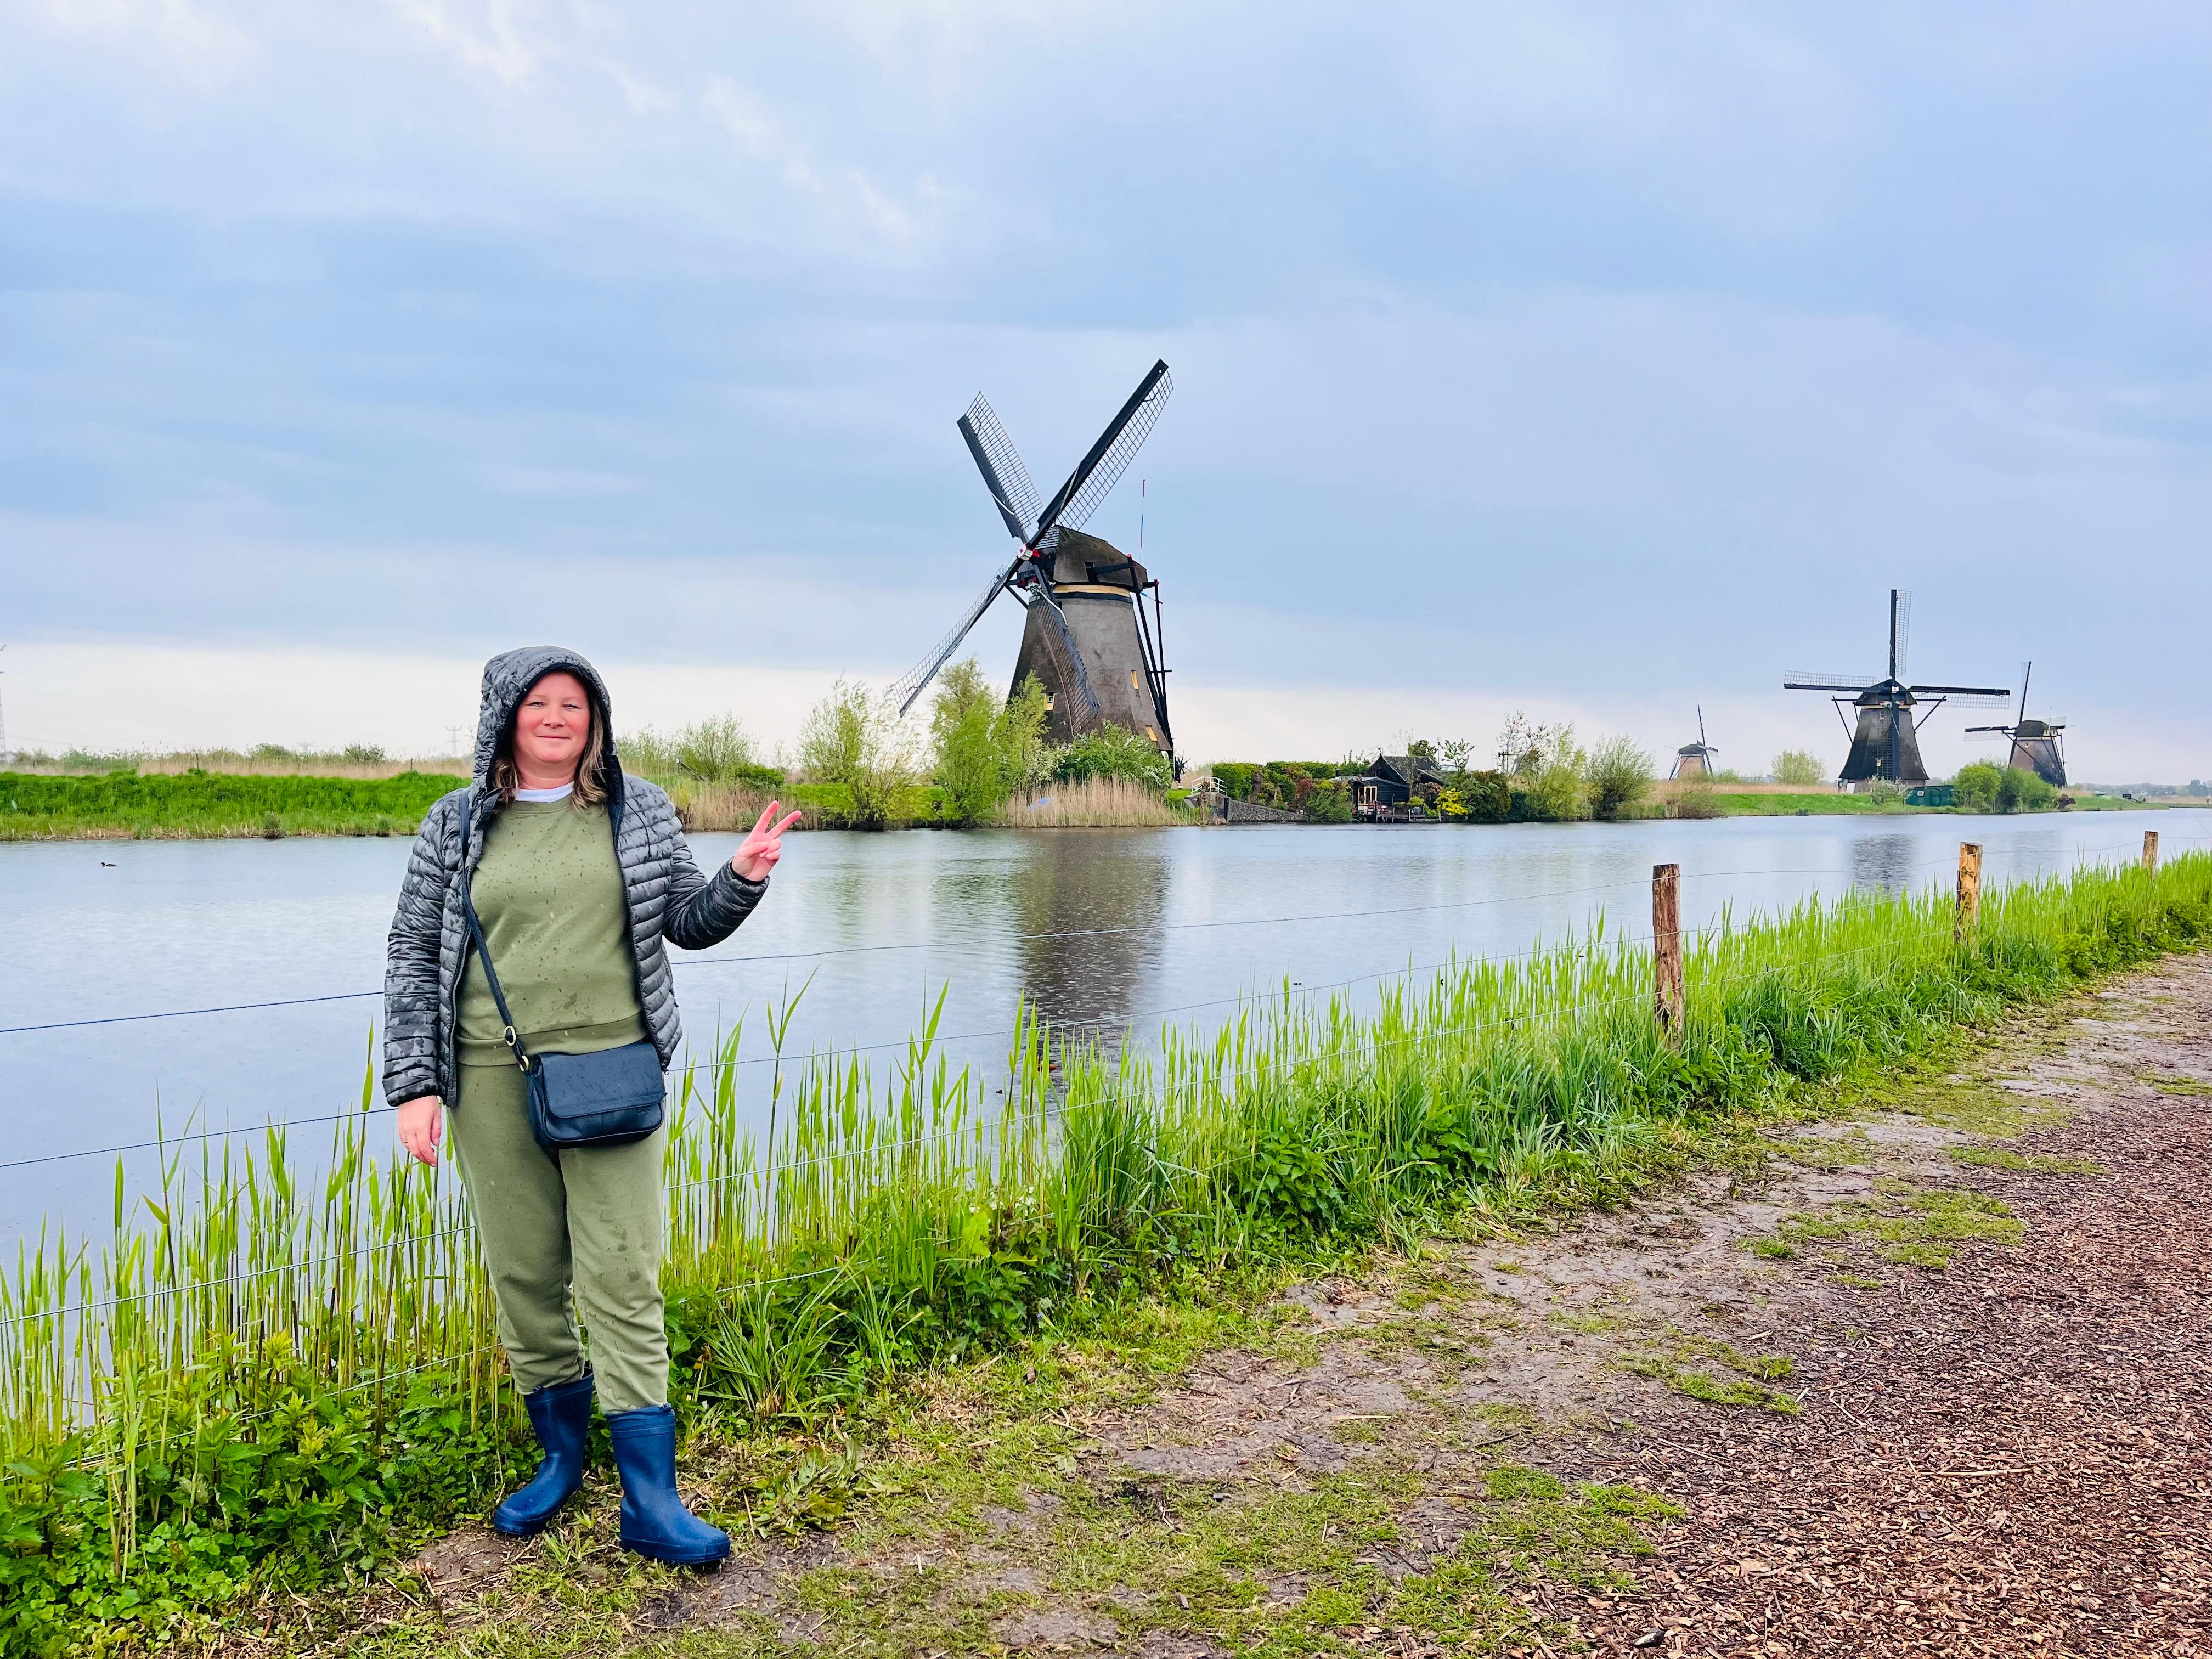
591 767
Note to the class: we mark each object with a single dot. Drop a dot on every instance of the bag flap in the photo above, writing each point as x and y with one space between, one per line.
611 1081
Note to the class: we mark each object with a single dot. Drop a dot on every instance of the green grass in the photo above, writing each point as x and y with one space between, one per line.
193 804
265 1383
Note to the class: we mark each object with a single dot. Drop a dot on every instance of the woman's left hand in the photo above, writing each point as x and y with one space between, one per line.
759 852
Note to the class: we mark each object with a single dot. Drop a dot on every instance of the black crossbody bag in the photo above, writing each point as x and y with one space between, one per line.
609 1098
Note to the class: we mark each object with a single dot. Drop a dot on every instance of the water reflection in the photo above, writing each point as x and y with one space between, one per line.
1886 863
1116 888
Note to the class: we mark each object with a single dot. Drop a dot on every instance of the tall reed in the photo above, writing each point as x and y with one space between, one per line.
1100 802
259 1377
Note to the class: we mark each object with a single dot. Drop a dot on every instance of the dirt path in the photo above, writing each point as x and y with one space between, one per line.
1931 1381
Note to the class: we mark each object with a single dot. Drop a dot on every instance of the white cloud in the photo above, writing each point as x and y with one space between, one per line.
848 190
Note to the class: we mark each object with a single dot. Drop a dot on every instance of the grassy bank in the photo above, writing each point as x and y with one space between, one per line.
186 805
263 1383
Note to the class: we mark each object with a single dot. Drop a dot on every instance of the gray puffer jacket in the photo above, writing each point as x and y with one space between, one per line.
669 900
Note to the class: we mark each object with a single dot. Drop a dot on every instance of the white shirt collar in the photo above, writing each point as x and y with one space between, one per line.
561 794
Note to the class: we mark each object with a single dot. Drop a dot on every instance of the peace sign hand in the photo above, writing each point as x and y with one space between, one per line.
758 853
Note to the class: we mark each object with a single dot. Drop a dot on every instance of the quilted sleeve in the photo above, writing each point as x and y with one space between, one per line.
701 911
410 964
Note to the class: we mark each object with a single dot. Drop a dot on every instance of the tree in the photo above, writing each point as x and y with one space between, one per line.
981 750
1798 766
1557 788
855 737
1617 775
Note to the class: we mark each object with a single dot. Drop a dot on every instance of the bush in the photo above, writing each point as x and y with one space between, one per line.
855 737
1235 777
1481 797
1113 752
2023 791
1330 803
1975 788
1695 799
1798 766
721 750
1618 774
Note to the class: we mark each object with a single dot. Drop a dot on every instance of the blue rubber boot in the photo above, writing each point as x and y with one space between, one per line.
561 1417
654 1523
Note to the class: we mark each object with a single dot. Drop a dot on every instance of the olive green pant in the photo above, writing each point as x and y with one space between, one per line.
579 1236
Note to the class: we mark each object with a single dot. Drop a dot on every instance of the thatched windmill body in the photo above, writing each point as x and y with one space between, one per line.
1086 639
2037 745
1886 738
1695 759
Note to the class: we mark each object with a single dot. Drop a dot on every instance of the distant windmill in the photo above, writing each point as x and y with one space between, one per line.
1695 759
2036 746
1885 743
1087 639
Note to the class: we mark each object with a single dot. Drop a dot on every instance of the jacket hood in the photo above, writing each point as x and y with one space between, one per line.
509 675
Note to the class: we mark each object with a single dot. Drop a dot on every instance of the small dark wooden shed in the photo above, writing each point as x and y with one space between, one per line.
1387 787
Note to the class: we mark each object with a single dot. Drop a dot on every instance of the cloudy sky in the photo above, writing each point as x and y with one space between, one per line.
1598 360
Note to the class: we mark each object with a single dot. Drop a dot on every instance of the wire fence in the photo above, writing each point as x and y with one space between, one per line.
1124 1021
1156 1100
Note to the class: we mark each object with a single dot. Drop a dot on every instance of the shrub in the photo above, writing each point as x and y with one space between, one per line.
1236 778
1113 752
364 754
1798 766
1330 803
1695 798
721 750
1483 797
1618 774
855 737
2022 791
1975 788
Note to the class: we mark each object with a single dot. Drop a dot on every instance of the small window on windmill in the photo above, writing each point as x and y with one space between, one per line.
1153 735
1048 703
1133 679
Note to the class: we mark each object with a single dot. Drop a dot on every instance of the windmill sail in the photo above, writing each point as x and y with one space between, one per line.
916 679
1102 468
1000 464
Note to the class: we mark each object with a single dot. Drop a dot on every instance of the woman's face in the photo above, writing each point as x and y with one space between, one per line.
552 726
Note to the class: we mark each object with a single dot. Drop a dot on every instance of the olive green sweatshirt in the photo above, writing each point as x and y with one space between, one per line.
550 893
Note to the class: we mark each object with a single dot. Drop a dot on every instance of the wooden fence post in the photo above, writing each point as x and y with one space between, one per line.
1667 949
1969 890
2150 851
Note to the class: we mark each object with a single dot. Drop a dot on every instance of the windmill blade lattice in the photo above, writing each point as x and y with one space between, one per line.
1099 470
916 679
1810 680
1000 464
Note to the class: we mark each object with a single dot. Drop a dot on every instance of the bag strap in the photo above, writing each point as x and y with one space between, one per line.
483 947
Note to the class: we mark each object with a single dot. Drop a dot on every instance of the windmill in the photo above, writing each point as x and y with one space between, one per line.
1087 639
1885 743
1695 759
2035 744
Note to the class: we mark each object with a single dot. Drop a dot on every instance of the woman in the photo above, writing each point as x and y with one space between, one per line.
578 875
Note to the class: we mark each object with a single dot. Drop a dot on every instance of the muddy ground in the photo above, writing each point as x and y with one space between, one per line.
1933 1381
